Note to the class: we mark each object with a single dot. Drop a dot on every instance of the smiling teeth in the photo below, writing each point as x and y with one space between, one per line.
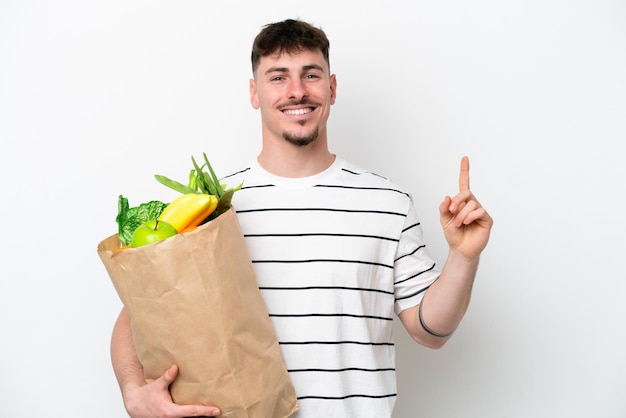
298 111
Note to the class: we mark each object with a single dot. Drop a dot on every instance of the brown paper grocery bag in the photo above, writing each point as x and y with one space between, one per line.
193 300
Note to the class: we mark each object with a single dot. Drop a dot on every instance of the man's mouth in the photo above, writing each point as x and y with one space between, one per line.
297 112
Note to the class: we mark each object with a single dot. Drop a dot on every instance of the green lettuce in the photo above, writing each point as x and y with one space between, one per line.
128 219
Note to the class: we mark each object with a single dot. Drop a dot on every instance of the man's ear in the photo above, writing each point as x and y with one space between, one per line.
333 89
254 100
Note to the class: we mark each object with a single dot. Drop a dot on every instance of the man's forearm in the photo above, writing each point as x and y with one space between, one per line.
448 298
444 304
126 365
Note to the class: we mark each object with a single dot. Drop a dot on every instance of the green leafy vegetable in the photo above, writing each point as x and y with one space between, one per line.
201 181
128 219
175 185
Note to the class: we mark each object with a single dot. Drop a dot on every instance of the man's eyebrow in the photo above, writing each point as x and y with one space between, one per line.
277 70
286 69
312 67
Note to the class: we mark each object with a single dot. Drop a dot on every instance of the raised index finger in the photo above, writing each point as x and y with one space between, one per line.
464 181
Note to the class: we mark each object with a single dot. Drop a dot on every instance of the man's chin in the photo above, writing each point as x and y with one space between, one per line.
301 140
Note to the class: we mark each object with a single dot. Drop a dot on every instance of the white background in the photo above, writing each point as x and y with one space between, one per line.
97 96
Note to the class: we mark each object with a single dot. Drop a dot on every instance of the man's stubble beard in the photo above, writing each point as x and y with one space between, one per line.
302 141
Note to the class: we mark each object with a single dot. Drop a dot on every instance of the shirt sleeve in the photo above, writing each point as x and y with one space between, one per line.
414 269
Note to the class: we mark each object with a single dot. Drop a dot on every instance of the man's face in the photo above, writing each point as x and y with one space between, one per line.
294 93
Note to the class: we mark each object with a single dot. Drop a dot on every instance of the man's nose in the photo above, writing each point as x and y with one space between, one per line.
297 89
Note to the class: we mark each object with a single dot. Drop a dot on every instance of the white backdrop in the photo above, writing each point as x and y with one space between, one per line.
97 96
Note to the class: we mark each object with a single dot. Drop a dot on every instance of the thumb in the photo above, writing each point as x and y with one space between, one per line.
169 376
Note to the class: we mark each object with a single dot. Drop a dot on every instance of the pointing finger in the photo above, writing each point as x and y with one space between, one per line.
464 181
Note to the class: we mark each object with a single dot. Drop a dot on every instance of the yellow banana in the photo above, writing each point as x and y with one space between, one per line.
189 210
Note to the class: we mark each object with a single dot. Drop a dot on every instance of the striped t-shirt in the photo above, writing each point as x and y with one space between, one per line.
335 255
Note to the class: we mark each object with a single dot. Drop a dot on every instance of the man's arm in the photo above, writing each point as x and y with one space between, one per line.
143 399
432 322
466 225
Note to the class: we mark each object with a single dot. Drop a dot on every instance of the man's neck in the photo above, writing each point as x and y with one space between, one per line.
287 160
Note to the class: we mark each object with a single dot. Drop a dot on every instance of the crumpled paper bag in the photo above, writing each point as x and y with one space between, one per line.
193 300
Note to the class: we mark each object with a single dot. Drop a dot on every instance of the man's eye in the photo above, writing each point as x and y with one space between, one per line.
311 76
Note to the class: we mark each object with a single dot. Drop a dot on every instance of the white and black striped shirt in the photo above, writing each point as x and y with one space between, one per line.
335 255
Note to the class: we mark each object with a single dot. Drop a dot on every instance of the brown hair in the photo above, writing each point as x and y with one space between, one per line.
288 36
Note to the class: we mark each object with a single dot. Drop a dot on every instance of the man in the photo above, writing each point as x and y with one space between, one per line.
337 250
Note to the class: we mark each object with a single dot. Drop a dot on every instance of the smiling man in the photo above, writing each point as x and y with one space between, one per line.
337 250
294 90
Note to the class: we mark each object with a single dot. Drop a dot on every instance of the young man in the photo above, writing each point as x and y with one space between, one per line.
337 250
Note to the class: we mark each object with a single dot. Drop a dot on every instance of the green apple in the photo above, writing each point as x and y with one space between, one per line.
152 231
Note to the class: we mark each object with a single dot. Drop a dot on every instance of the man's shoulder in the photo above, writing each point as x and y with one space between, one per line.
237 175
367 178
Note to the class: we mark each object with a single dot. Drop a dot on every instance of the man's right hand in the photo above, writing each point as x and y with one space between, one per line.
153 400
